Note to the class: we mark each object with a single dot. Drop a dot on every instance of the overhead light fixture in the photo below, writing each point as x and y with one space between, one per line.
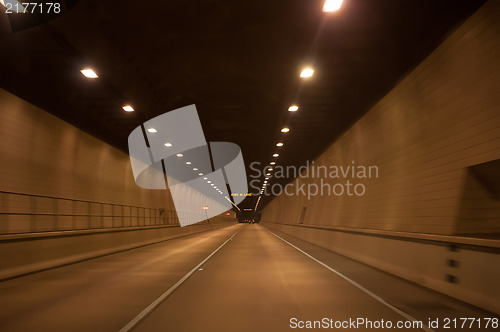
268 174
89 73
209 181
267 178
168 144
270 169
205 178
152 130
279 144
285 130
332 5
265 181
195 169
188 163
272 163
308 72
275 155
293 108
128 108
200 174
180 155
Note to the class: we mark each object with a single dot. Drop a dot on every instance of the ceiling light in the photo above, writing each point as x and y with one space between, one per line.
332 5
195 169
200 174
308 72
267 178
89 73
205 178
270 169
188 163
272 163
275 155
168 144
265 181
209 181
279 144
293 108
212 184
285 130
268 174
180 155
128 108
152 130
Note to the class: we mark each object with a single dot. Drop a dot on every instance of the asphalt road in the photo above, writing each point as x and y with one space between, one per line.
240 278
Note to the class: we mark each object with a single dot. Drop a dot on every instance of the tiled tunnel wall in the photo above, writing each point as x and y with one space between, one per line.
443 117
54 176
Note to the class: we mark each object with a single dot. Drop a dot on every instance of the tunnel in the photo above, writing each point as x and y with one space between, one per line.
216 165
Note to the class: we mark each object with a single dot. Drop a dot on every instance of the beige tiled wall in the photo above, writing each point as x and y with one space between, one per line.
43 155
441 118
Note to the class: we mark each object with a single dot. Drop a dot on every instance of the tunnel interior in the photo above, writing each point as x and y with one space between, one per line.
216 165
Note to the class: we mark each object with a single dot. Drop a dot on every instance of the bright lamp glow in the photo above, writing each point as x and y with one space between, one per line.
332 5
152 130
128 108
180 155
279 144
89 73
308 72
188 163
168 144
293 108
272 163
275 155
285 130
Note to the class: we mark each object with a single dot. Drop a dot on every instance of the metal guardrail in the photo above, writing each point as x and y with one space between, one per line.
28 213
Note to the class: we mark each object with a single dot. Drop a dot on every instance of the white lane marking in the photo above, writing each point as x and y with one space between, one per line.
134 322
375 296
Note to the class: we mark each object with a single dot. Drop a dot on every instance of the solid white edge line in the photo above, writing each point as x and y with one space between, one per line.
375 296
134 322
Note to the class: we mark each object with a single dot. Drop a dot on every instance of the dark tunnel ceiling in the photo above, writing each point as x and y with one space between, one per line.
238 61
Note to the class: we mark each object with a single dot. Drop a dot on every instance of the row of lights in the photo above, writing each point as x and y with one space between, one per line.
305 73
329 6
180 155
90 73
